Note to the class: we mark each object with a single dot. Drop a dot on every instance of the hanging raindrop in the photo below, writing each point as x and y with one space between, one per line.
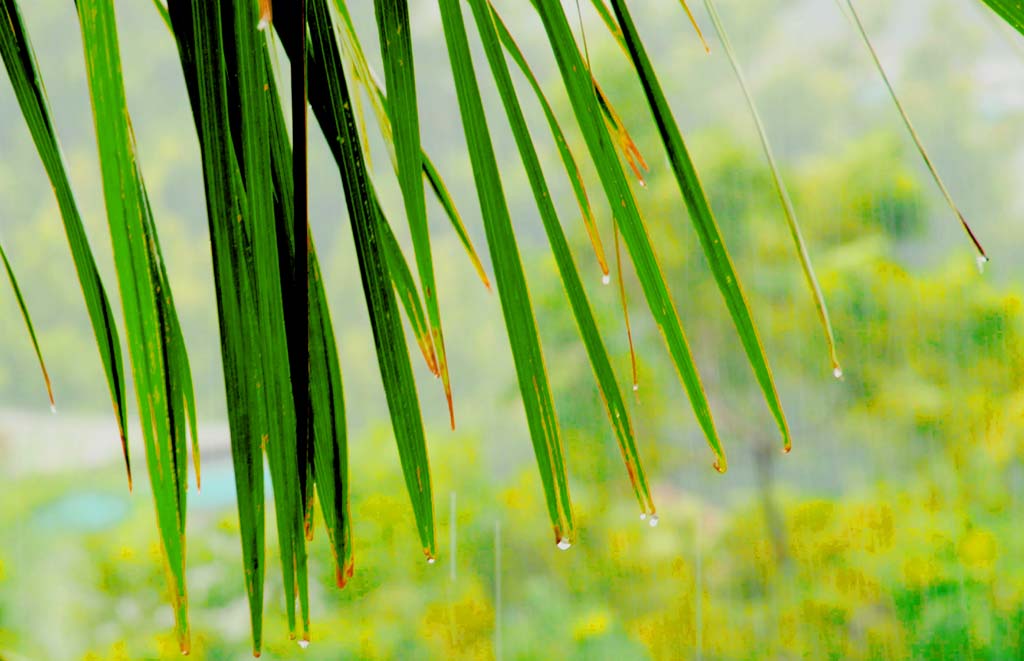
303 643
636 387
654 521
431 560
981 261
606 279
564 544
838 372
643 515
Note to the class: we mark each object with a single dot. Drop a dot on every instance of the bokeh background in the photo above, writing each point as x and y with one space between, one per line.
893 530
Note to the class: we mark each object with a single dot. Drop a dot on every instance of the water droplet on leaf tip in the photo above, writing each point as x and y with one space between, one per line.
643 183
643 515
431 561
606 279
654 521
636 386
838 372
303 643
564 544
53 409
981 261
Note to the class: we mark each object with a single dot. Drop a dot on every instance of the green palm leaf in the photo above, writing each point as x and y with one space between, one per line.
512 290
362 73
619 416
332 105
568 160
579 85
159 365
703 220
249 86
23 71
396 47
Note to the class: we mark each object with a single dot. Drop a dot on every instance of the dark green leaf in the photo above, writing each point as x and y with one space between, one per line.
332 106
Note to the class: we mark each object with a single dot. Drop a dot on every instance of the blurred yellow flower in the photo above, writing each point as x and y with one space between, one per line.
593 623
978 549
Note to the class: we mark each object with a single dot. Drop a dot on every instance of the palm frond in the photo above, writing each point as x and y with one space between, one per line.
280 359
163 382
615 405
568 160
396 48
711 239
579 84
332 105
364 75
512 289
27 82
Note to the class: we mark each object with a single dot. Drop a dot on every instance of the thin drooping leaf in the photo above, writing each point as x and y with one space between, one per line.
444 198
616 31
603 372
405 289
28 323
616 126
703 220
161 8
568 160
780 188
579 85
159 364
396 49
26 80
332 106
625 307
628 147
365 76
1012 11
508 273
855 19
402 278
